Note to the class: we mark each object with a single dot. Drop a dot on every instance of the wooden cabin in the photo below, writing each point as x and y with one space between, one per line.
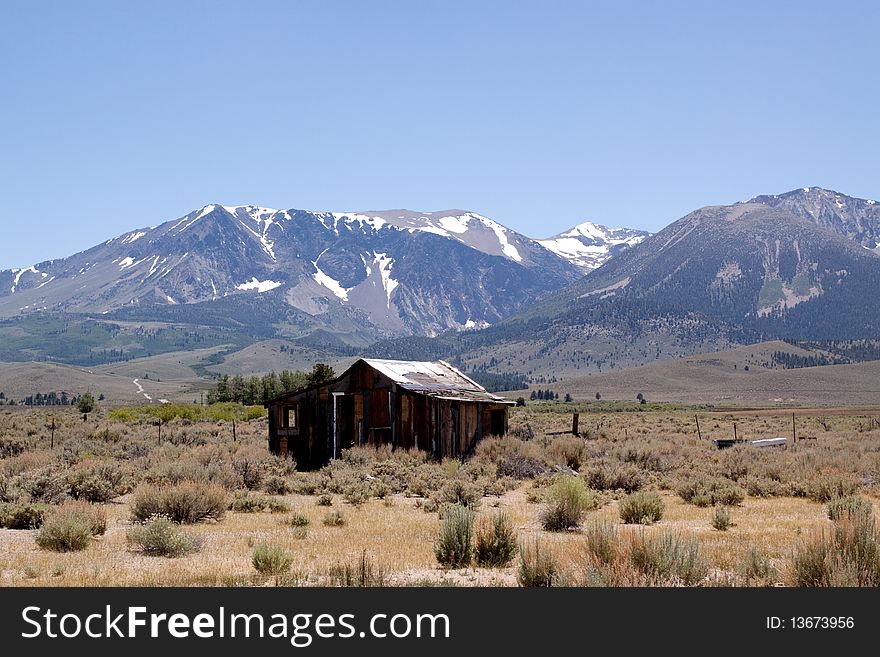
408 404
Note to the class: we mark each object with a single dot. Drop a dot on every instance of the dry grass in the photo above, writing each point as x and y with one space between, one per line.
391 527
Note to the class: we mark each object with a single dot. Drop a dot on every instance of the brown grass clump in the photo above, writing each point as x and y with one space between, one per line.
70 527
186 502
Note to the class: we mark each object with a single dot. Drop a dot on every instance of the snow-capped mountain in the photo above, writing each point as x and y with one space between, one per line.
589 245
392 272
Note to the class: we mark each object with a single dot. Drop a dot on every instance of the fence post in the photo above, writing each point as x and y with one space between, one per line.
574 423
699 433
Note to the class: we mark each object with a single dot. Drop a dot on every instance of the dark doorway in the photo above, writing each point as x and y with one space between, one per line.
496 422
346 430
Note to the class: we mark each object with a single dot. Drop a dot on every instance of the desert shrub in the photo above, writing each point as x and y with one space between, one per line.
271 560
208 470
667 558
276 485
43 484
426 479
645 456
641 508
537 566
453 547
602 543
334 519
624 476
734 463
494 541
10 447
756 565
709 492
22 516
99 482
363 572
186 502
298 520
70 527
304 483
568 500
569 451
825 487
852 505
248 463
520 467
458 491
356 494
764 487
253 503
324 500
847 555
721 518
161 537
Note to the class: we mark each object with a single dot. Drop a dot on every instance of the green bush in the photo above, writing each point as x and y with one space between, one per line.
298 520
625 476
334 519
22 516
271 560
70 527
711 492
568 501
641 508
667 558
464 493
847 555
568 451
186 502
602 542
453 548
852 505
495 543
253 503
537 566
721 518
324 500
97 483
161 537
756 566
824 488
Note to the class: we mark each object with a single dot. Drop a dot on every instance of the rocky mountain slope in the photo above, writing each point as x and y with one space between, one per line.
801 265
351 277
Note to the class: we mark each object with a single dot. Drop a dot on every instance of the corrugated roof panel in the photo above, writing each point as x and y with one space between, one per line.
424 373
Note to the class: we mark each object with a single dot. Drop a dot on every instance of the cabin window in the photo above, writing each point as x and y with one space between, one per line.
290 417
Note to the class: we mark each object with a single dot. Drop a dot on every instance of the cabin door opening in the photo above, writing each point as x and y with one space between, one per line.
496 422
345 429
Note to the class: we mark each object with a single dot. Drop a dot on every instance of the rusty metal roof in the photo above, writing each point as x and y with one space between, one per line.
434 378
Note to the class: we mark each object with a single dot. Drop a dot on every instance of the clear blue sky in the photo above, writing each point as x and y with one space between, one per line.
118 115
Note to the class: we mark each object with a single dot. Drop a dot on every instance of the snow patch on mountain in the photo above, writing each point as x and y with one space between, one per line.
254 285
328 281
506 247
384 263
455 224
19 273
133 237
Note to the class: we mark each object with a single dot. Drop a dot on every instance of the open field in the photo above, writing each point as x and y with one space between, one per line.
722 378
391 503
